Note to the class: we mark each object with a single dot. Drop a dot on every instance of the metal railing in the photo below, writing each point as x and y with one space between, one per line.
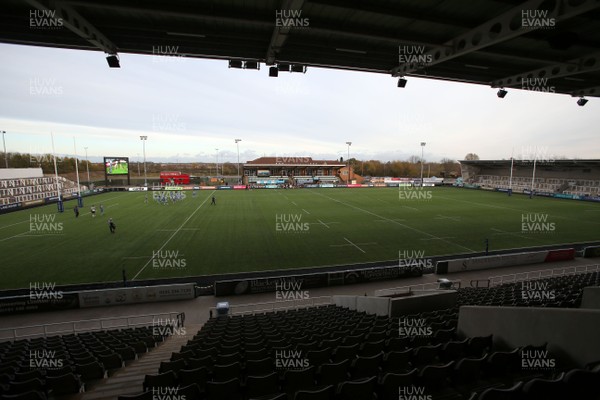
546 273
456 284
88 325
251 308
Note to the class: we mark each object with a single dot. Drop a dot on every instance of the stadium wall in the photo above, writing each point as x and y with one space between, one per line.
571 334
591 298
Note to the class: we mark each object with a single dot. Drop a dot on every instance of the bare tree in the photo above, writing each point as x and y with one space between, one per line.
471 157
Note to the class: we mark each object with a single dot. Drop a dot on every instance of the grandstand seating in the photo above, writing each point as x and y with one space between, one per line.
61 365
581 187
32 189
348 354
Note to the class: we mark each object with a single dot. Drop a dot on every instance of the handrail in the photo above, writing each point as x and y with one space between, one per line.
411 288
87 325
545 273
275 305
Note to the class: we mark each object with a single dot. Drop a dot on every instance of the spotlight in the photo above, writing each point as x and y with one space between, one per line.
273 72
113 61
402 82
299 68
251 65
283 67
581 102
235 63
501 93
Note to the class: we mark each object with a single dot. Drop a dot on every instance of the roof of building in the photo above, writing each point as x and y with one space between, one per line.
293 161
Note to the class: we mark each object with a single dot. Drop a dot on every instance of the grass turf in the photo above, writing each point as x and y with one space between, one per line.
240 233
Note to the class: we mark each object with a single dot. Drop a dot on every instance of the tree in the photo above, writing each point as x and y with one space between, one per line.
471 157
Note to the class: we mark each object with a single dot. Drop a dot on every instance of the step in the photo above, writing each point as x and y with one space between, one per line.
129 380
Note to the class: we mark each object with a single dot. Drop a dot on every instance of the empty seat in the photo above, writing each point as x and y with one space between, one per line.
166 379
362 389
294 380
199 376
68 383
363 367
582 384
544 389
258 386
388 385
229 390
334 373
226 372
397 361
324 393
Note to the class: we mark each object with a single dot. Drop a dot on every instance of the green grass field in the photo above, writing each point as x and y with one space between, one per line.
241 233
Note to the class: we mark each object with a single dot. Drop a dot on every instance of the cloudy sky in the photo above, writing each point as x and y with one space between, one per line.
188 108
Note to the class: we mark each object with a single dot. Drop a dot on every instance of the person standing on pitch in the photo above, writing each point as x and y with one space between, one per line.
214 201
93 211
101 209
111 225
76 210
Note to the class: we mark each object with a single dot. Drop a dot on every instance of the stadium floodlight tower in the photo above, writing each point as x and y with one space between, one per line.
5 155
237 142
217 165
348 161
422 147
143 139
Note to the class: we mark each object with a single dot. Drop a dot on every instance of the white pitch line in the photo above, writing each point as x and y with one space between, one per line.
354 245
440 238
22 222
390 220
294 203
14 236
457 219
403 225
305 211
174 233
501 232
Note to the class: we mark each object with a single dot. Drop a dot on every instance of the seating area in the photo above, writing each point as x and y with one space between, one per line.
330 352
581 187
32 189
55 366
559 291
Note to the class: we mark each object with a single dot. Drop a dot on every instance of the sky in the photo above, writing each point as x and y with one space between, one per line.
192 110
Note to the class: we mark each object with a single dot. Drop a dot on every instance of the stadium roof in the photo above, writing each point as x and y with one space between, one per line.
547 162
500 43
298 161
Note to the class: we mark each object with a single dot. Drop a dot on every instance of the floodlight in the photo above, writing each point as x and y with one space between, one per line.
113 61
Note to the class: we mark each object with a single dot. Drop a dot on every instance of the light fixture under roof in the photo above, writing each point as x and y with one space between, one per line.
402 82
351 51
501 93
582 101
196 35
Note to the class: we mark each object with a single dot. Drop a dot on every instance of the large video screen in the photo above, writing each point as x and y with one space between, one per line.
116 165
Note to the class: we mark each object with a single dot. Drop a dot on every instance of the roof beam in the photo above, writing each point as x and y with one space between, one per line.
504 27
576 66
280 33
77 24
591 91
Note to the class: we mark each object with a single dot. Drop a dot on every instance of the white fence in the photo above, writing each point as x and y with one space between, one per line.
87 325
251 308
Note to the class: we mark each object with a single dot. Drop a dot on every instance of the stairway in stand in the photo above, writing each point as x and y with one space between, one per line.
129 380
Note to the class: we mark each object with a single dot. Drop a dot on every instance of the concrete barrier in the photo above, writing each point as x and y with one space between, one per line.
571 334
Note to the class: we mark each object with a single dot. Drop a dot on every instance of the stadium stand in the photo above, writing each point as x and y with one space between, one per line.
47 367
29 185
331 352
570 177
